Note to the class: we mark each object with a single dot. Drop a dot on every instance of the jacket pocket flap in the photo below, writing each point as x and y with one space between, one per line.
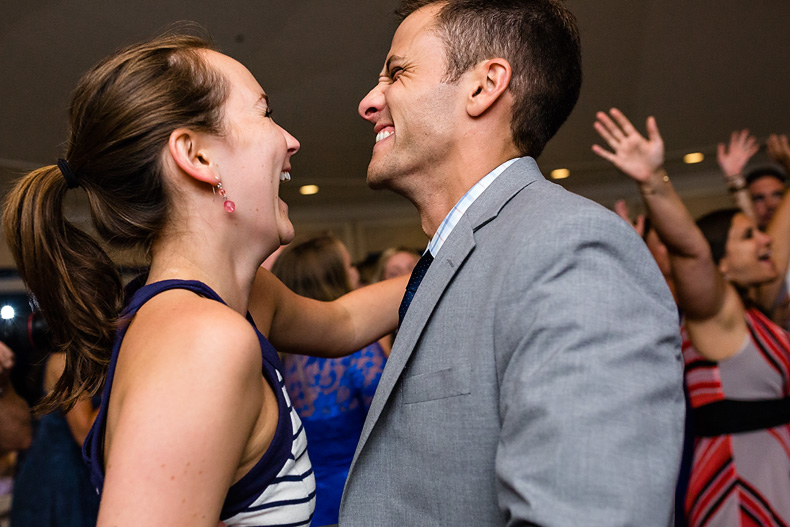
440 384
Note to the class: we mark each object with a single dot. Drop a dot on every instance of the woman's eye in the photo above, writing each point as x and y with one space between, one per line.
268 113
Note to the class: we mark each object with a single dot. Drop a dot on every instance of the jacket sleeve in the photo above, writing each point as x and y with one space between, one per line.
589 364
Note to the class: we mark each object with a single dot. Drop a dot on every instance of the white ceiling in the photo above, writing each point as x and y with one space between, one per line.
703 67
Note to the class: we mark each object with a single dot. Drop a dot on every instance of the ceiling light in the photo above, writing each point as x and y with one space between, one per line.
7 312
560 173
308 190
694 157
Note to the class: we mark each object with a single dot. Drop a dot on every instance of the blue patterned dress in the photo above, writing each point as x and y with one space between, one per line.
332 397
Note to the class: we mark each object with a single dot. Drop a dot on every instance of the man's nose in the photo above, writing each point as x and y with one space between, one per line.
371 104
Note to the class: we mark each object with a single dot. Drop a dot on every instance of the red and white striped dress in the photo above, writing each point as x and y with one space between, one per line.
742 479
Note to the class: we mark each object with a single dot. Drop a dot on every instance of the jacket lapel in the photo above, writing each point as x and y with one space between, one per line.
439 275
451 256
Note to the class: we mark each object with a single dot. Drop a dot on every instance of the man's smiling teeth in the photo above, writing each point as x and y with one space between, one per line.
285 176
383 135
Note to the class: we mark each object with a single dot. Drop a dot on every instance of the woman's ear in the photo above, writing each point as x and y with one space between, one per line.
489 80
185 150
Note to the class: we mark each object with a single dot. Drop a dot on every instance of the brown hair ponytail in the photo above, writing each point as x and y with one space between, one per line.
74 282
122 114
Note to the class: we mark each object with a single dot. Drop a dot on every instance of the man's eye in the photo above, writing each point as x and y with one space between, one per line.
395 73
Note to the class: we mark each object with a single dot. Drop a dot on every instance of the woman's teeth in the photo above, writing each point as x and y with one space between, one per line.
285 176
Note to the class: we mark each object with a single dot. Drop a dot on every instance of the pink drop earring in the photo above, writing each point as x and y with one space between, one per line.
228 204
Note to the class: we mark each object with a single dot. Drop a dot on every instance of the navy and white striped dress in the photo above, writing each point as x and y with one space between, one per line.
279 491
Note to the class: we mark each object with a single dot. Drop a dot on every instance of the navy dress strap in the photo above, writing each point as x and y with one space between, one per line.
244 492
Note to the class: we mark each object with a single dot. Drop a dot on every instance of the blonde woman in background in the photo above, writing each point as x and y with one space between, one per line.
332 396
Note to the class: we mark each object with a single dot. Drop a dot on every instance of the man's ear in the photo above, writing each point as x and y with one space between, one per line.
489 80
185 150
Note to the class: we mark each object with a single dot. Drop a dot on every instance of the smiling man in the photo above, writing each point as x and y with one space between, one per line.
766 187
536 377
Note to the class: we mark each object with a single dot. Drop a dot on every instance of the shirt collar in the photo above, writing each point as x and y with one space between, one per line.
452 218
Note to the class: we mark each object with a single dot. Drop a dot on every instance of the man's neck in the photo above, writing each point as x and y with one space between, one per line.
442 189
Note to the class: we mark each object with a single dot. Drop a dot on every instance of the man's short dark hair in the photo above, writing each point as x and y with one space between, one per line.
539 39
766 170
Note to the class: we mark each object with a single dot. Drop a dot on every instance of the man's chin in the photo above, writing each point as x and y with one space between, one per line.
376 179
375 184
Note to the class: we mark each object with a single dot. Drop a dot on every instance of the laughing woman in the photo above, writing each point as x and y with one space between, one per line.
176 149
737 361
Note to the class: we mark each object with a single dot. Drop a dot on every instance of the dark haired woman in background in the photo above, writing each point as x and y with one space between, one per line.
332 396
737 359
52 487
175 147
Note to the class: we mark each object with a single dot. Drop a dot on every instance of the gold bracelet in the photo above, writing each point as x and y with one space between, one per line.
646 191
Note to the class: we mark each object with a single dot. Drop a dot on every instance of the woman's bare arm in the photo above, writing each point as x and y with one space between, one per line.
708 301
185 401
779 229
296 324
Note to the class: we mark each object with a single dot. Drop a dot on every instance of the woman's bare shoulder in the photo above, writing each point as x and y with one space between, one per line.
180 328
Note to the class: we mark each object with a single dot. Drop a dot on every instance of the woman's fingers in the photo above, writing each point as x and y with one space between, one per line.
609 156
624 124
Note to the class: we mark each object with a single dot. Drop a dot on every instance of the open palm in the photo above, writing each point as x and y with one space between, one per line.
634 155
733 157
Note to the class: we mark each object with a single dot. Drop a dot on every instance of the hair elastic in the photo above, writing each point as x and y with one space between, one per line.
68 175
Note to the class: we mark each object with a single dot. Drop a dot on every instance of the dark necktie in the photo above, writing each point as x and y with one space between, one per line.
414 282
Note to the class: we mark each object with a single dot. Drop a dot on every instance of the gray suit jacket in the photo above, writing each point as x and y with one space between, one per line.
536 379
